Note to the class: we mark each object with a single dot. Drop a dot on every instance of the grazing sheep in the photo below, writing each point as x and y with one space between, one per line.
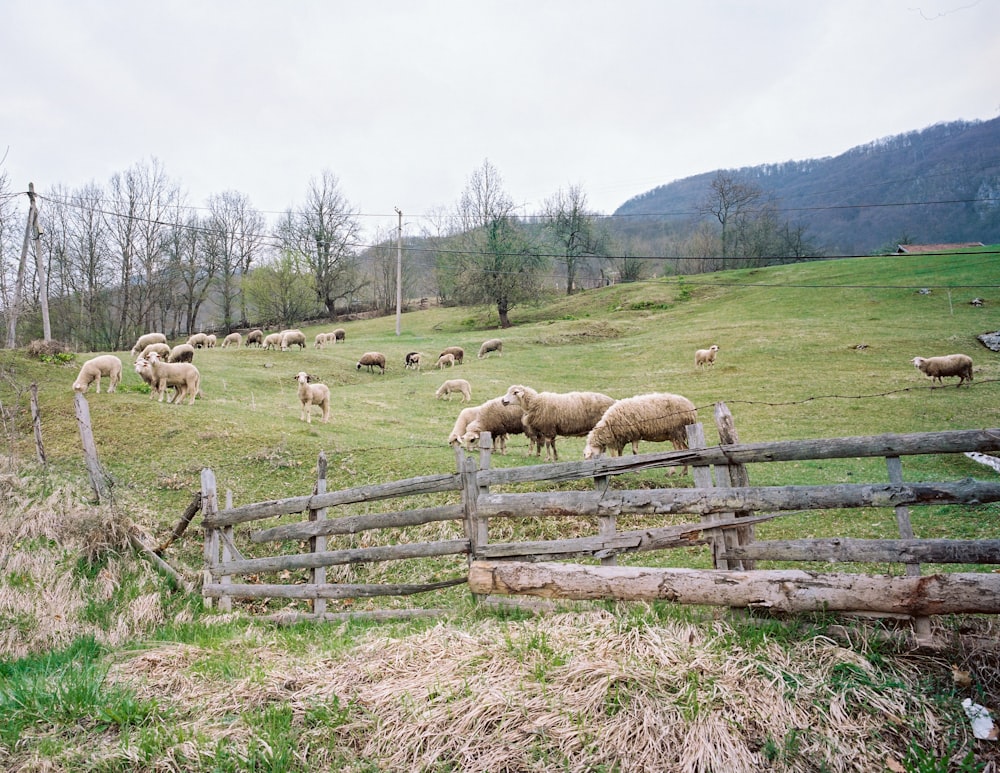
255 338
92 370
456 351
273 341
550 414
339 334
372 360
446 359
290 338
412 360
947 365
499 420
198 340
492 345
182 375
310 395
233 339
459 385
181 353
146 340
162 349
656 417
465 417
704 357
210 341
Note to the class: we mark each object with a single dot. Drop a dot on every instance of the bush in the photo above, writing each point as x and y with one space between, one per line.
50 351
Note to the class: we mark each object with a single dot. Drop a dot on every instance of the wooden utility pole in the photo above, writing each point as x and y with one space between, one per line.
31 229
399 270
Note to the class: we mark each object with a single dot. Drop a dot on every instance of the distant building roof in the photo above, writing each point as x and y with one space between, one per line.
912 249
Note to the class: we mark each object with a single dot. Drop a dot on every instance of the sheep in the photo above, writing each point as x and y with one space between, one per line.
459 385
947 365
92 370
290 338
310 395
412 360
198 340
492 345
445 359
273 341
181 353
146 340
233 339
549 414
320 340
145 372
465 417
372 360
704 357
339 334
656 417
210 341
256 337
182 375
162 349
500 420
457 351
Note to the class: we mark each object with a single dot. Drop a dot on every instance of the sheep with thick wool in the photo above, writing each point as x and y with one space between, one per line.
657 418
311 394
182 375
446 359
339 335
272 341
947 365
145 340
500 420
161 349
465 416
491 345
233 339
455 385
210 341
255 338
92 370
413 360
372 360
704 357
180 353
550 414
198 340
455 351
290 338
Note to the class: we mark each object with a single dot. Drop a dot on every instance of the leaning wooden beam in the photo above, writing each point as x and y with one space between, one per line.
428 484
325 591
906 551
334 557
289 618
790 590
353 524
719 500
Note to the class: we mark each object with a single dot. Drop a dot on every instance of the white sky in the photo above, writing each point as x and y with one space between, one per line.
402 101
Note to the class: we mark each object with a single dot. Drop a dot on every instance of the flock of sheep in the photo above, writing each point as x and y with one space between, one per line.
609 425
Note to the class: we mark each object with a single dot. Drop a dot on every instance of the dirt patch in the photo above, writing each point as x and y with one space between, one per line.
568 334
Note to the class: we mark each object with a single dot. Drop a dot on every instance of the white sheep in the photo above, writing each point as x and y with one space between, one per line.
290 338
180 353
162 349
272 341
372 360
550 414
210 341
312 394
456 351
946 365
446 359
465 416
146 340
499 420
182 375
704 357
233 339
492 345
320 340
255 337
92 370
198 340
656 417
459 385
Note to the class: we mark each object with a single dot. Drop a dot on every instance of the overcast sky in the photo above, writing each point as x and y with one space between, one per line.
402 101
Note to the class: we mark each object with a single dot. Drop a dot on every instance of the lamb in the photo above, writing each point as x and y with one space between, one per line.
146 340
310 395
492 345
656 417
182 375
198 340
273 341
92 370
162 349
704 357
947 365
290 338
233 339
210 341
446 359
499 420
459 385
465 417
457 351
413 360
255 337
372 360
181 353
549 414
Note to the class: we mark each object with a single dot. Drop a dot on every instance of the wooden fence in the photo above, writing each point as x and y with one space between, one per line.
726 508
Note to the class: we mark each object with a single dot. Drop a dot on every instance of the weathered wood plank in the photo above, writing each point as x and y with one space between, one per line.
354 524
785 590
714 500
323 591
843 549
289 618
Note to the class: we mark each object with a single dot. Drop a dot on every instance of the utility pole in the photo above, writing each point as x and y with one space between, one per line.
399 270
31 229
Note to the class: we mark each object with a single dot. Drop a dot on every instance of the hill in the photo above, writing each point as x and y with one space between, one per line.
936 185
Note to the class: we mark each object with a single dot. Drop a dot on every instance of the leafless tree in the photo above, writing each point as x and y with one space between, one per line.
573 230
732 202
235 234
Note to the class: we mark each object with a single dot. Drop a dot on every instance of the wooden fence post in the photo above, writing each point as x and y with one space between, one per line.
921 625
702 475
209 507
318 544
733 475
606 524
36 422
98 478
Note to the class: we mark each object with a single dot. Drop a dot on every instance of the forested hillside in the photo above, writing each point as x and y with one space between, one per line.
939 184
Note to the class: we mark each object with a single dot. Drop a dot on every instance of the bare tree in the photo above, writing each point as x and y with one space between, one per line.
192 267
731 202
573 230
235 233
